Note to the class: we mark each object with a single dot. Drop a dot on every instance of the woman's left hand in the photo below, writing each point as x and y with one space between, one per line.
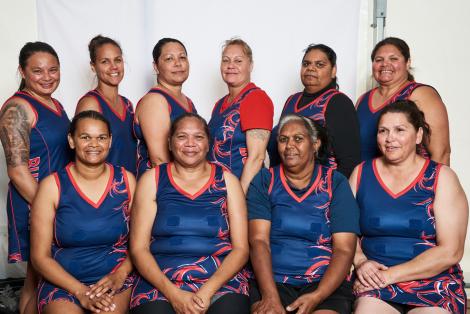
304 304
108 284
203 300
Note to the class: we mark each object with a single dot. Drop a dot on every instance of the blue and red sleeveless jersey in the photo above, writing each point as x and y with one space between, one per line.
176 109
48 152
190 236
228 141
368 118
314 110
123 150
90 238
300 236
397 227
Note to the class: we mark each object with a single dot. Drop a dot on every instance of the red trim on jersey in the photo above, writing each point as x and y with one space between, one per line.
306 194
185 193
30 106
12 209
83 195
406 189
121 116
386 102
287 101
296 105
57 181
95 97
126 181
271 183
356 105
359 175
190 103
157 177
225 105
58 109
438 171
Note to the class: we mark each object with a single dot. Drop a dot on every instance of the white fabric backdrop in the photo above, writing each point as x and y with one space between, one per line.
277 31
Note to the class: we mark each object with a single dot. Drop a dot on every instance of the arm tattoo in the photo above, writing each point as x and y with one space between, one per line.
259 134
14 134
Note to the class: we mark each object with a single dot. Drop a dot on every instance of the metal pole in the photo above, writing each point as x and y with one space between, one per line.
380 14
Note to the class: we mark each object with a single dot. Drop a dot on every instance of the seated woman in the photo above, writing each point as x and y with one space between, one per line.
82 212
413 221
189 231
303 222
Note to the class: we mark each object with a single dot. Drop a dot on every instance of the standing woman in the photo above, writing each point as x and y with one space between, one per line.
107 62
162 104
241 120
33 131
189 231
391 69
322 102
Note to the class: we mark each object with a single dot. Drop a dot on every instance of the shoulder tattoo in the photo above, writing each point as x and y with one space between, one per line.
14 134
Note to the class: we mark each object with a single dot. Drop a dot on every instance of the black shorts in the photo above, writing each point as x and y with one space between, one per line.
341 300
230 303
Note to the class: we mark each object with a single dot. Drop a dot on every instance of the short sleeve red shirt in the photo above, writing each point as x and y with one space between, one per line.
256 110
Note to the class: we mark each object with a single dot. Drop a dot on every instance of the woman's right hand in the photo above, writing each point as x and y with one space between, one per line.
268 306
104 303
184 302
369 274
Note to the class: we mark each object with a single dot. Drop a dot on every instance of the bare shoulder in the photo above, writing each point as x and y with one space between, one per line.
87 103
426 95
152 100
48 189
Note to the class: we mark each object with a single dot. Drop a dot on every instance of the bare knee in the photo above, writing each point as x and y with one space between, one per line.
366 305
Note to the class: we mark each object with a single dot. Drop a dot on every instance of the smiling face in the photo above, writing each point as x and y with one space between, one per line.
109 65
397 138
41 74
317 71
295 146
172 66
91 141
189 143
389 65
235 66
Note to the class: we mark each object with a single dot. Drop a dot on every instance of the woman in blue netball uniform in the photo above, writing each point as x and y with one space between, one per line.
107 62
413 222
391 66
189 231
162 104
242 120
34 137
322 102
80 225
303 222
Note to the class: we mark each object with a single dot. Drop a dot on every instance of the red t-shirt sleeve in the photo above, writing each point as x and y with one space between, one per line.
257 111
